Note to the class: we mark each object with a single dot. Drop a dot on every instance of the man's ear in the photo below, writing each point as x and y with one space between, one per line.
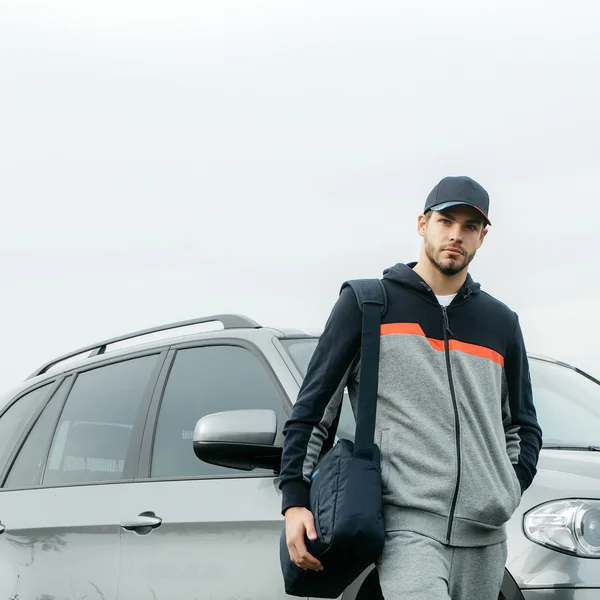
484 232
422 225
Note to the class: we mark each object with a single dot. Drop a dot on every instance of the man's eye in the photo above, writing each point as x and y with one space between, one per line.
445 221
472 227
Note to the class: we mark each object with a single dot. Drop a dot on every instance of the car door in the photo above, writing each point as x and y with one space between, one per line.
15 418
62 496
213 531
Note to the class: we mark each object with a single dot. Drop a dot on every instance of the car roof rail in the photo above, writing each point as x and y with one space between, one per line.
229 321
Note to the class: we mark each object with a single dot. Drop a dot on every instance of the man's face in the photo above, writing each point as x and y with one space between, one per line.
452 237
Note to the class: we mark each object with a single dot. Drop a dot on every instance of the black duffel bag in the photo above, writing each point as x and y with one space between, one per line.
345 490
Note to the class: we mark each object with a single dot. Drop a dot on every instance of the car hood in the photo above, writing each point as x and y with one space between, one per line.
581 462
565 474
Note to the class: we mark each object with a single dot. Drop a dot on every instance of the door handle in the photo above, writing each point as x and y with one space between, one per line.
144 521
2 528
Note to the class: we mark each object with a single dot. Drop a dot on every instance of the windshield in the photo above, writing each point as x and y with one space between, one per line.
567 403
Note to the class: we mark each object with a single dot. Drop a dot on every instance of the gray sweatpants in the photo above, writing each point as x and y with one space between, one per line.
415 567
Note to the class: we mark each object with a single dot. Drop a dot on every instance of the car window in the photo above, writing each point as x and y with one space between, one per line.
301 351
567 405
27 469
92 437
15 419
202 381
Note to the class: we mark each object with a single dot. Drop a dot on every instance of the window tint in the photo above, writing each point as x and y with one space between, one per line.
26 471
15 419
94 431
203 381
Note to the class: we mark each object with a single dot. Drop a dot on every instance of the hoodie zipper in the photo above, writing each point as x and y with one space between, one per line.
456 422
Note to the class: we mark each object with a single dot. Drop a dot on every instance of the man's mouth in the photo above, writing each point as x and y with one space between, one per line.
453 251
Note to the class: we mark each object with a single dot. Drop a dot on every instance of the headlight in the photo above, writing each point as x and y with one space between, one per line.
571 526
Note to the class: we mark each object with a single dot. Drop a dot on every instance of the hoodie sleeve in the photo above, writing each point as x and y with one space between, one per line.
315 415
521 427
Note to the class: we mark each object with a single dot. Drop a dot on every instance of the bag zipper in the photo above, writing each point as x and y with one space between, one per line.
456 422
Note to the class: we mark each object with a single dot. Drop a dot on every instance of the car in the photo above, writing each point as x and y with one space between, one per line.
139 468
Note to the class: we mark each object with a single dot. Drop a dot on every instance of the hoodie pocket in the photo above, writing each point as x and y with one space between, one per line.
490 491
517 485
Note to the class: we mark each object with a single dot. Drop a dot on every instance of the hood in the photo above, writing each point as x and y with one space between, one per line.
564 474
404 275
571 462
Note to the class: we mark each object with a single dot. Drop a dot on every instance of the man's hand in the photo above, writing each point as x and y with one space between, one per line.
299 522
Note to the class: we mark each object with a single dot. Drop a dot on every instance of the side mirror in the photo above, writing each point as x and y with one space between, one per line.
238 439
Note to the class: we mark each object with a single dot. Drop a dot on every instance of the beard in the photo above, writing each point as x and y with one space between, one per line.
447 266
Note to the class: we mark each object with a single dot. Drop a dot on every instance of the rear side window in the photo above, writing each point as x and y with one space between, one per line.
15 419
95 428
206 380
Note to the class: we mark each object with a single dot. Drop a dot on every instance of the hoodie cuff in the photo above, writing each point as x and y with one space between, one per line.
294 493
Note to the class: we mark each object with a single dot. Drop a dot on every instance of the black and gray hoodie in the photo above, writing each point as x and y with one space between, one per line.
456 423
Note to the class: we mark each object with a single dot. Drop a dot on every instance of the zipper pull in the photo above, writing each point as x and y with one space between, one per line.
446 322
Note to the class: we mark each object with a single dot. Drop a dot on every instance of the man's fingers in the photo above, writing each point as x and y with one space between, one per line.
300 556
301 524
308 561
311 532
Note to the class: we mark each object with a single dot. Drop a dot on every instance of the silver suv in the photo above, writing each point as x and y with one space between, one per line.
149 472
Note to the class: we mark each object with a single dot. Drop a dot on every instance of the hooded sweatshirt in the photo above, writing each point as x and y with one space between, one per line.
456 423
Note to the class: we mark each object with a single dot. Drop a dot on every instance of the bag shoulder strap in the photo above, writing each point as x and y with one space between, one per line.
372 300
368 291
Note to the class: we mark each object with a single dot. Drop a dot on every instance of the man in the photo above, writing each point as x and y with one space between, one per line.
456 423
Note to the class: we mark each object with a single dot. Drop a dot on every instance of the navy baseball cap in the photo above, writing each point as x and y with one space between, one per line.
451 191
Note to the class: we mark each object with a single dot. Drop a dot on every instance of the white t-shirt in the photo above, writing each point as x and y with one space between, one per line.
445 300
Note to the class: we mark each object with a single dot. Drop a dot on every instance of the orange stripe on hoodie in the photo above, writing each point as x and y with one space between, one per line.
415 329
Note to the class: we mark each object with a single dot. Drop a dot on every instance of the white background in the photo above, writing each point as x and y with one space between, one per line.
161 161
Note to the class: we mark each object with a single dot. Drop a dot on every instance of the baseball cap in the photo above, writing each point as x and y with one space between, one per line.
451 191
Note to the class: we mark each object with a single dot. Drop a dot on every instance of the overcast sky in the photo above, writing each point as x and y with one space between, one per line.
162 161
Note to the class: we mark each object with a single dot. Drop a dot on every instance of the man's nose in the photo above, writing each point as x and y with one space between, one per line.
456 233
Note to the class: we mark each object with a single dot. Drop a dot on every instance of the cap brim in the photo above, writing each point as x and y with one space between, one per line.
445 205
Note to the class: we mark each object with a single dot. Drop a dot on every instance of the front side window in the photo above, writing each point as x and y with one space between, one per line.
202 381
95 427
15 419
301 351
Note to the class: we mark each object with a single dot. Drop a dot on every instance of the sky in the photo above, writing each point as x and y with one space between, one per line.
161 161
